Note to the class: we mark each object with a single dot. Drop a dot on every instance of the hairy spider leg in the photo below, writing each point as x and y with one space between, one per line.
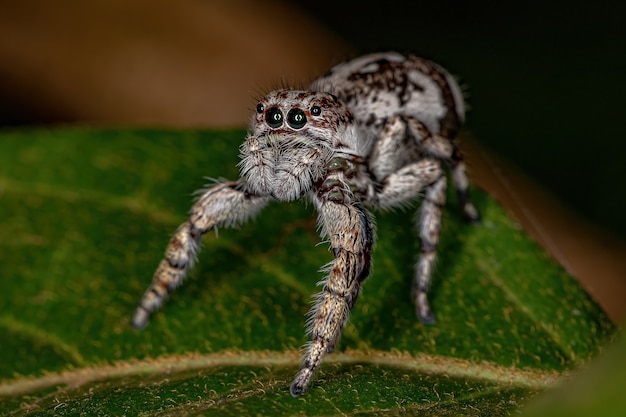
445 149
405 138
429 226
221 205
349 228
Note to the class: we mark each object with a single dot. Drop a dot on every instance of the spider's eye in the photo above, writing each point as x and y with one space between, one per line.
259 108
274 117
316 110
296 118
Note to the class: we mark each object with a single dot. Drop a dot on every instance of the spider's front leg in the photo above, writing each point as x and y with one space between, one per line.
223 204
350 231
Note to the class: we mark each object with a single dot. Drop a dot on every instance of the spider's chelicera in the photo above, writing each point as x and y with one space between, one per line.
372 133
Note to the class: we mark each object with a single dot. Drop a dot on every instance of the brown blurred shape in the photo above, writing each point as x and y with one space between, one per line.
156 62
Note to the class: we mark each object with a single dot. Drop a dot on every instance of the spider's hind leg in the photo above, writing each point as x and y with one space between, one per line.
446 149
399 188
461 185
406 160
429 226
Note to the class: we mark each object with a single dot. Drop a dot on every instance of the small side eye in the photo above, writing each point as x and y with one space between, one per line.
316 110
296 118
274 117
259 108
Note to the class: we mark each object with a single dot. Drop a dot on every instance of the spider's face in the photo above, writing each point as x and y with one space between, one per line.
285 113
294 134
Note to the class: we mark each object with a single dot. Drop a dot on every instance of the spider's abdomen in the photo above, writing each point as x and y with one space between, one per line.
377 86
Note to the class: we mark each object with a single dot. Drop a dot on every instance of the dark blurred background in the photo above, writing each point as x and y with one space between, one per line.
545 79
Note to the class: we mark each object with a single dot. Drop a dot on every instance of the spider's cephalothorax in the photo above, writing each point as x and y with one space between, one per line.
371 133
294 135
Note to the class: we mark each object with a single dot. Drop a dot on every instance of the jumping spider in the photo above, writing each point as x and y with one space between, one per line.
371 133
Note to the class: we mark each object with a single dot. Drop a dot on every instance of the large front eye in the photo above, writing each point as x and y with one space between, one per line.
274 117
296 118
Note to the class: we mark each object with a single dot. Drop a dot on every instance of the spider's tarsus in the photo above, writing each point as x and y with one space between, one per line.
471 215
295 390
428 319
300 383
140 319
474 220
422 308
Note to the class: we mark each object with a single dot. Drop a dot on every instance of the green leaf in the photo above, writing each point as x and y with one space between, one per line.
597 390
85 216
